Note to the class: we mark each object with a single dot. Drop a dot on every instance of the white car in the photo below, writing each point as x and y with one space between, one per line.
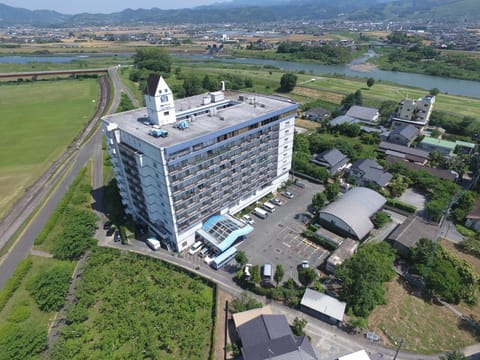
277 202
195 248
305 264
247 270
288 195
209 258
248 219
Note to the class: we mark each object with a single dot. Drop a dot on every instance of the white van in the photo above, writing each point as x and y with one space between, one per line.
269 207
153 243
195 248
262 214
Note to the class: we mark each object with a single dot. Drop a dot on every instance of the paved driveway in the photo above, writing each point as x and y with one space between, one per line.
278 239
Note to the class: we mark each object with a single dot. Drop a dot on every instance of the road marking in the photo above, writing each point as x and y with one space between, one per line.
287 245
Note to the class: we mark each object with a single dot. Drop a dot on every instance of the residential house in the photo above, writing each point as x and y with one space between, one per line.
334 160
270 337
368 172
317 114
407 153
414 112
364 114
403 135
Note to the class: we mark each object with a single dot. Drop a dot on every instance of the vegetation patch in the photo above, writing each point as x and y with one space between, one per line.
24 325
132 306
68 233
406 315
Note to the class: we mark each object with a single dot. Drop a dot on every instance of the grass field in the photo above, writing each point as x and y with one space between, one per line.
425 328
39 120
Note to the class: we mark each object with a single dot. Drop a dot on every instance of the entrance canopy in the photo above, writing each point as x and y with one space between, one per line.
221 231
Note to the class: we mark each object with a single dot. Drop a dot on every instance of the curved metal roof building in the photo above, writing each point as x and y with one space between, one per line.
352 212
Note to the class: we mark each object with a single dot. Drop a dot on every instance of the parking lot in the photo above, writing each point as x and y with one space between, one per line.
278 239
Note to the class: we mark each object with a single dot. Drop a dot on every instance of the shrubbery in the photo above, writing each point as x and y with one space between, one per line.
22 341
50 287
14 281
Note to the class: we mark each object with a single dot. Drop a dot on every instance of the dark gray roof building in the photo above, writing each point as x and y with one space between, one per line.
403 135
334 160
317 114
404 152
366 171
270 337
363 113
406 235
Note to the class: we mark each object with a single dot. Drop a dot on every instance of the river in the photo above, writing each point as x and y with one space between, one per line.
446 85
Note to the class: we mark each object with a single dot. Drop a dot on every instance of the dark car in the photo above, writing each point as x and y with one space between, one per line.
117 236
107 225
110 231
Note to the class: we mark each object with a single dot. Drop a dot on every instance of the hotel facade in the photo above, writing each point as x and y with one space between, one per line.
178 163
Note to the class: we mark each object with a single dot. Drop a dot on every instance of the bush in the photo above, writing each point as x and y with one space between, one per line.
14 282
465 231
19 342
49 288
401 205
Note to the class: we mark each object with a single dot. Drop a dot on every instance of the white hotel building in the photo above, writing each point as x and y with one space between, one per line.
224 151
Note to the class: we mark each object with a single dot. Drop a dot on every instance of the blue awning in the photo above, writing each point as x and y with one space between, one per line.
221 231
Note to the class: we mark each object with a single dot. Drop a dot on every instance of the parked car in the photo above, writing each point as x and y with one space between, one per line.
209 258
117 236
247 219
288 195
247 270
195 248
107 225
304 264
110 231
202 253
300 184
277 202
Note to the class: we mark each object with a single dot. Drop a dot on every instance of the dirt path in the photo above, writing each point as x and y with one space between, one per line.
59 319
220 325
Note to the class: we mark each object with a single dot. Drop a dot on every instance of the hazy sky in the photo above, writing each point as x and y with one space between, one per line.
103 6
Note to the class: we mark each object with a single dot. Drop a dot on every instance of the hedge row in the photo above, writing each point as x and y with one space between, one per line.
401 205
14 282
60 209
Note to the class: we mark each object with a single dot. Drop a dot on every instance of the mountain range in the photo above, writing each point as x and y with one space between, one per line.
249 11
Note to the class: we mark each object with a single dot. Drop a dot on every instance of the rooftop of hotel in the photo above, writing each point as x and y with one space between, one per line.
239 107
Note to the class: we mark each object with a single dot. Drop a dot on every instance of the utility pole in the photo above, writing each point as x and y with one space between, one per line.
398 349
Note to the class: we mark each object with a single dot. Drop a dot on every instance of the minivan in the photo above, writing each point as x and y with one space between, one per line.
203 252
267 272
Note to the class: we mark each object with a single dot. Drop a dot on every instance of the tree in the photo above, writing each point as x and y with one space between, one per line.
370 82
454 355
434 91
298 326
256 277
153 59
331 191
318 202
363 276
288 82
49 288
192 85
381 218
307 276
241 258
358 98
244 302
279 273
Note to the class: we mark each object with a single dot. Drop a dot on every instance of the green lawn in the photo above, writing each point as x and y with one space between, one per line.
39 120
21 318
136 307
